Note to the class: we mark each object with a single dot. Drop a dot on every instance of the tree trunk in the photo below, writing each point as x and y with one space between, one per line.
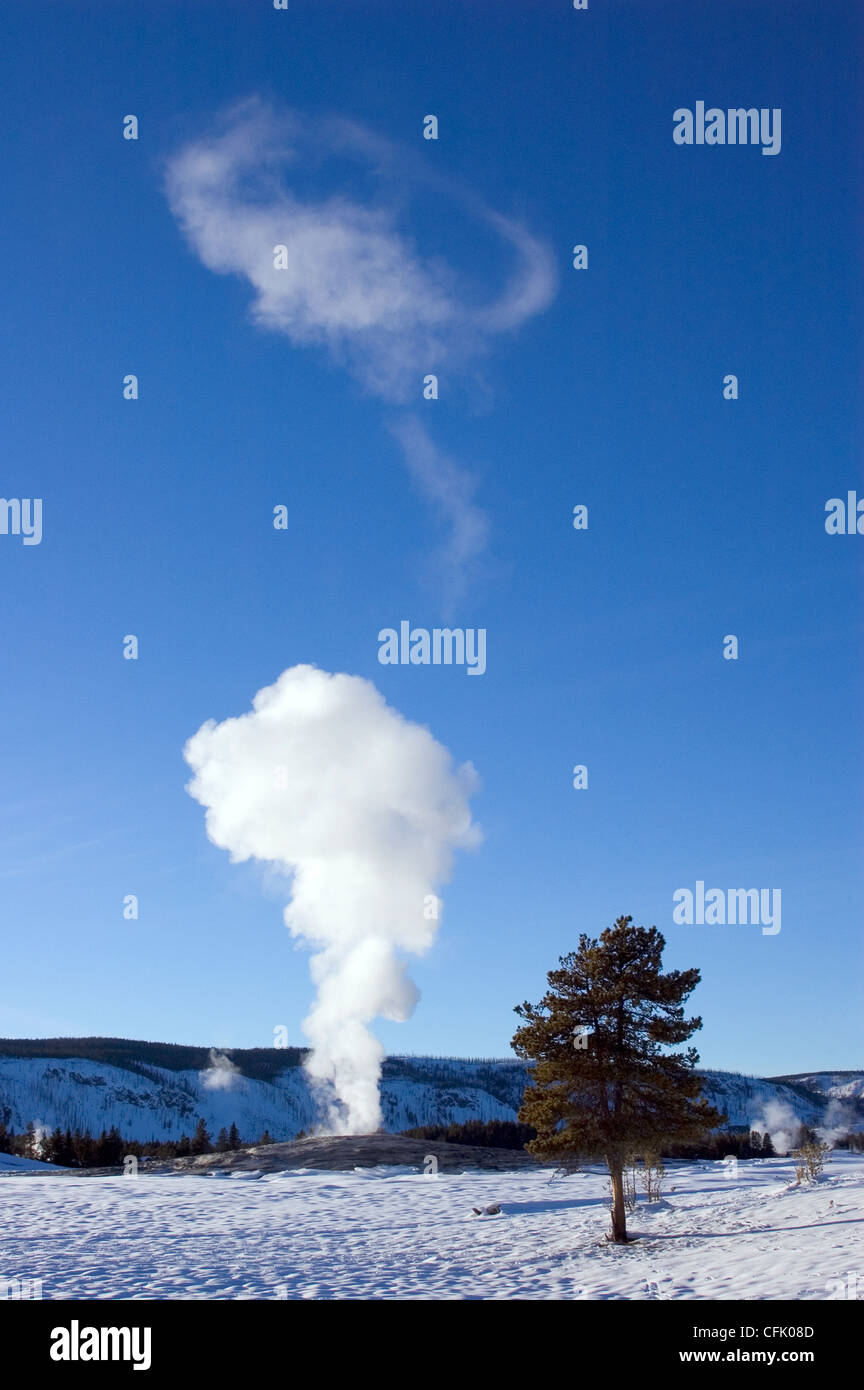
619 1213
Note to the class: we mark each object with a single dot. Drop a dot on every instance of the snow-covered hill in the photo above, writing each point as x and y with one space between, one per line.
157 1103
13 1163
838 1085
148 1101
753 1103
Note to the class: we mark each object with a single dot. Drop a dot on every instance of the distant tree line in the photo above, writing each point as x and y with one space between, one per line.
492 1134
259 1063
505 1134
728 1143
81 1149
741 1144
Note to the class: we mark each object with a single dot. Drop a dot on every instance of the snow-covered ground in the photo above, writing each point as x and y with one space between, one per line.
12 1163
394 1234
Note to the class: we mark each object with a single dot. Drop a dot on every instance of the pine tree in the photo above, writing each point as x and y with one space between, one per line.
615 1093
66 1156
265 1138
114 1147
233 1137
222 1141
201 1142
53 1151
98 1158
84 1148
767 1146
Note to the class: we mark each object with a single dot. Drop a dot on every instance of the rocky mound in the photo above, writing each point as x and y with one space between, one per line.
348 1151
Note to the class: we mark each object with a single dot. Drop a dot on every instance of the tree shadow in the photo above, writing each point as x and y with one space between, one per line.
550 1204
747 1231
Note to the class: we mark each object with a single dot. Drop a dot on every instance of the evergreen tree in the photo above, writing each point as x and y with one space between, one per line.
233 1137
105 1152
620 1094
53 1147
265 1138
222 1141
201 1141
767 1146
114 1147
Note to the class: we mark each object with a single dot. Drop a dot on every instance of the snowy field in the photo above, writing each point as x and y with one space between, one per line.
394 1234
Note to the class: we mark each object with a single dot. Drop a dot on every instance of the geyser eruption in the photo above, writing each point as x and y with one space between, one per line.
363 809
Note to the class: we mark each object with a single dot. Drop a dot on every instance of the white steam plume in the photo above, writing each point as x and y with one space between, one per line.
325 781
450 490
780 1121
41 1135
838 1121
354 282
222 1074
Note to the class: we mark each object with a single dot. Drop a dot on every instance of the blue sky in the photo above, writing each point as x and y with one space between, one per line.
706 516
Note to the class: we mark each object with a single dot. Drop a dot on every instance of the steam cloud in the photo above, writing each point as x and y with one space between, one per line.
780 1121
363 810
221 1075
354 283
450 491
41 1135
839 1120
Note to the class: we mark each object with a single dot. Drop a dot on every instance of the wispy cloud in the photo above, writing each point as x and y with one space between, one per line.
354 282
450 490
